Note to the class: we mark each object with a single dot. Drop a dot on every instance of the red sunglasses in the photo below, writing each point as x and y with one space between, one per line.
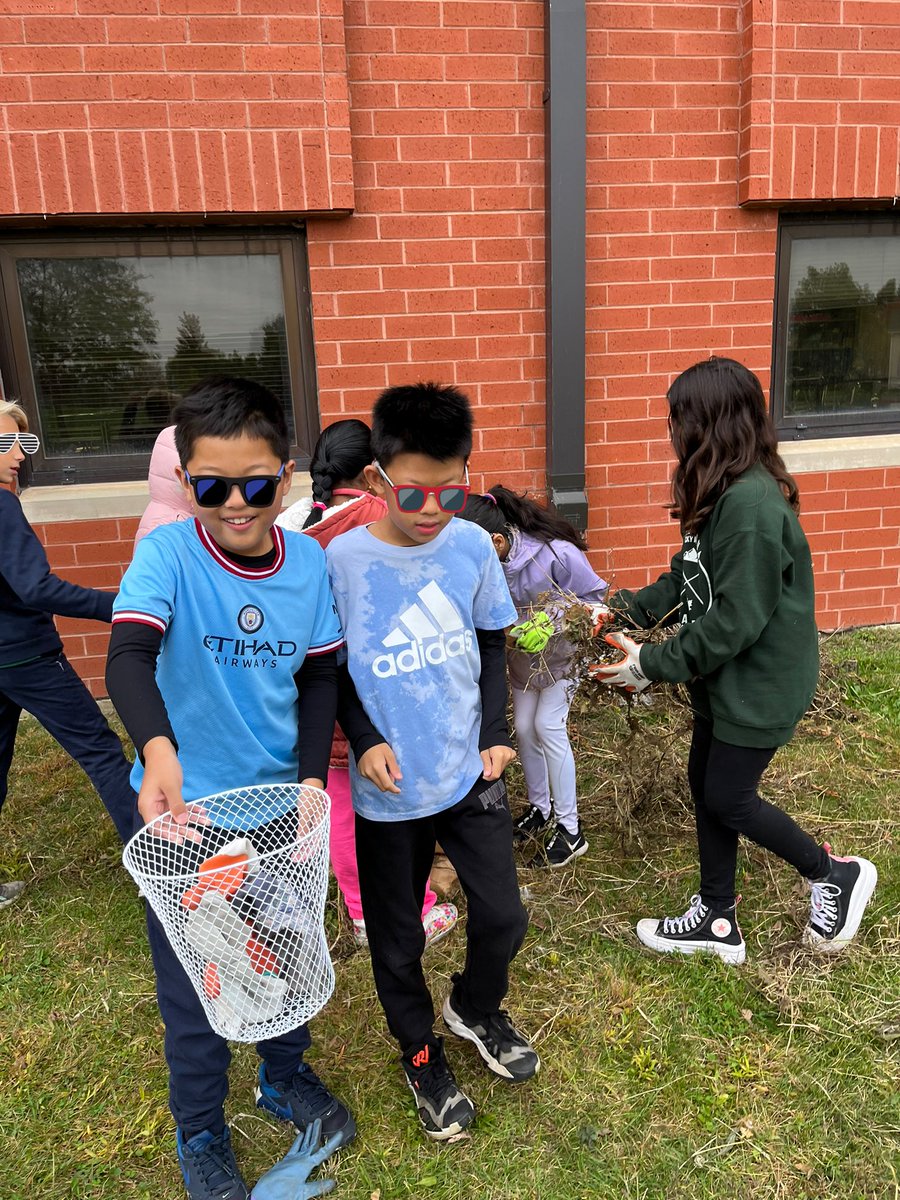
411 498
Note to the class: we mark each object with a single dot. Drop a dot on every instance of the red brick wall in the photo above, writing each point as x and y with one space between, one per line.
676 272
173 106
439 272
93 554
820 103
852 520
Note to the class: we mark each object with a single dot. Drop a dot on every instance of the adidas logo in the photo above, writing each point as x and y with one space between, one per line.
430 631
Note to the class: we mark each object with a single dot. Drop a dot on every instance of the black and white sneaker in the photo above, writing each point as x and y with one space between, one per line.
443 1108
838 902
10 892
701 930
531 823
562 848
498 1042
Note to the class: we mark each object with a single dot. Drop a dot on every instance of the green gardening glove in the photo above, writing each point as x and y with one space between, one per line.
532 636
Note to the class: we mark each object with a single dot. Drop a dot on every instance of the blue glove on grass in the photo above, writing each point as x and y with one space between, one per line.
287 1180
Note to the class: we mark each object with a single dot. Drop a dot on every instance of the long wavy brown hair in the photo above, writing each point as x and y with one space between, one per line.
720 427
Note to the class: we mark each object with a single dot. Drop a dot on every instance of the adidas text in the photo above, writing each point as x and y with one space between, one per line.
421 654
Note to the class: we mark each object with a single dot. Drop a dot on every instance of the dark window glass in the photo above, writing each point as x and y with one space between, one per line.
837 350
104 343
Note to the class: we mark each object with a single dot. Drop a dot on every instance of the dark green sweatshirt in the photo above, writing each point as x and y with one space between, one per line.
743 590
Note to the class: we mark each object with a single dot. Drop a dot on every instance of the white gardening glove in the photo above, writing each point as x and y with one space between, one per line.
600 615
626 673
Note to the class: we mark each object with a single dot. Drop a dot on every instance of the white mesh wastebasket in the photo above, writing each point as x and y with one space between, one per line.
242 906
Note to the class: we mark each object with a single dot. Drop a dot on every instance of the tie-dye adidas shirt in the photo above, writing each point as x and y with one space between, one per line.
409 615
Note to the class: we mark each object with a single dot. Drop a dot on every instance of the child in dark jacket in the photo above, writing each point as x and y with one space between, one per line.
34 673
742 589
542 555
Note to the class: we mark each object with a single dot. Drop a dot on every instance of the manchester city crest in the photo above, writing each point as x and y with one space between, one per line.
250 618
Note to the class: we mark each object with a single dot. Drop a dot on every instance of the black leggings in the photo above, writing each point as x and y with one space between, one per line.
723 781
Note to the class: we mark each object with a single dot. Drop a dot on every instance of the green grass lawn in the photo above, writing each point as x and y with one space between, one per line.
661 1079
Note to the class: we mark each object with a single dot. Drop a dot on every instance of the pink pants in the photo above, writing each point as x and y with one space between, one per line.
343 845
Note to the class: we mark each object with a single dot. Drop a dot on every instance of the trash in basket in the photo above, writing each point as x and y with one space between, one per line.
243 906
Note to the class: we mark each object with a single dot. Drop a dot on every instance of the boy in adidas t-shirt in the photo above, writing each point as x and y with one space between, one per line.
222 665
424 605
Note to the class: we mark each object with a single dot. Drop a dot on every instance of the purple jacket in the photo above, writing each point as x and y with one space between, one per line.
532 568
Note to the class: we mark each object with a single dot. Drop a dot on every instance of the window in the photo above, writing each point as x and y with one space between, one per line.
837 327
102 335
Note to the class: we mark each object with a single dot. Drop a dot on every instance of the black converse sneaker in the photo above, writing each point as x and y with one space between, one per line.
531 823
838 902
443 1109
498 1042
701 929
562 848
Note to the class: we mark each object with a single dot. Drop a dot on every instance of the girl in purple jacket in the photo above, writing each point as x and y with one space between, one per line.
541 553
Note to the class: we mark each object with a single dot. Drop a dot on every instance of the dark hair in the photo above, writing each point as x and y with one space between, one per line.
720 427
341 453
421 418
501 510
225 407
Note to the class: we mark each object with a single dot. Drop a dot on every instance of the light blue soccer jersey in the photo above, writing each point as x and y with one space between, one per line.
409 615
232 641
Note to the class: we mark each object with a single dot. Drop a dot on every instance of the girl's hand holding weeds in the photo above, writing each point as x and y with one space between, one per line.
532 636
624 673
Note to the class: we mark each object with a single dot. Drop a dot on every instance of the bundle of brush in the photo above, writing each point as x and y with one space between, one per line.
584 628
628 746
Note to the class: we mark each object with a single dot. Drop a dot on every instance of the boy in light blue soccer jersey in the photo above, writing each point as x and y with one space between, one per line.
424 606
222 665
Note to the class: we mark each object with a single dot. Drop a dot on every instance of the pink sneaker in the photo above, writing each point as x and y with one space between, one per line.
438 922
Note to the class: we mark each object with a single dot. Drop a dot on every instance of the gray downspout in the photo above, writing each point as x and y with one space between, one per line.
565 135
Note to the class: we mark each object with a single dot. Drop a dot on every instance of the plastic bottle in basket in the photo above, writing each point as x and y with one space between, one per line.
240 973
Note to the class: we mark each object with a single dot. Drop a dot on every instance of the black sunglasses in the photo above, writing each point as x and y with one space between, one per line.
211 491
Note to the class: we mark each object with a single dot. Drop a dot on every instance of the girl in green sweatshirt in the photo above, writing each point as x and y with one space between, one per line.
741 588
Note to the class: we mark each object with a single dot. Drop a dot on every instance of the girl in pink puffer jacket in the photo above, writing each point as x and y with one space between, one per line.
167 499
